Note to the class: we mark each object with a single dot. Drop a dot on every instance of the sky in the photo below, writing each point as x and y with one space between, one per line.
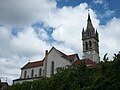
29 27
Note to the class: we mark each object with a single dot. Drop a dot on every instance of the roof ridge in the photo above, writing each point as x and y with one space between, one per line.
73 54
36 61
60 51
33 64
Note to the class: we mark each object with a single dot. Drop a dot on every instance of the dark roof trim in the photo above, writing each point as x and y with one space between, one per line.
27 78
33 64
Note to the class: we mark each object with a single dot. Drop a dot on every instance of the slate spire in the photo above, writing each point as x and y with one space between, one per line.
89 23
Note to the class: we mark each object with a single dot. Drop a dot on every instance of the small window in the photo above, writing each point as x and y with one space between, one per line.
52 67
90 44
32 73
40 72
25 74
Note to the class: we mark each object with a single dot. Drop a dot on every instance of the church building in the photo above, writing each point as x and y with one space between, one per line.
55 58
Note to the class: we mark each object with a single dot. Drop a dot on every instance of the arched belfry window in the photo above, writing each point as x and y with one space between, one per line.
86 45
32 73
52 67
40 72
25 74
90 44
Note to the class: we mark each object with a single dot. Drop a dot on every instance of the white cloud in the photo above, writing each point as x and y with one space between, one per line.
5 37
42 34
27 43
22 12
19 49
102 2
98 1
109 37
107 14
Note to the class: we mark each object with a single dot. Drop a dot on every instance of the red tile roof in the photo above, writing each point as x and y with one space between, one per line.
87 62
72 56
33 64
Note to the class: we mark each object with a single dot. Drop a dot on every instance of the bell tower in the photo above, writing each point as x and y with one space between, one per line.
90 40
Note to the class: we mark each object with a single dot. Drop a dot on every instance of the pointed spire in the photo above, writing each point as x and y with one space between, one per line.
89 19
89 23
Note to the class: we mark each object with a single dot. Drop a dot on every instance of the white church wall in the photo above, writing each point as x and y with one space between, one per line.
29 70
58 61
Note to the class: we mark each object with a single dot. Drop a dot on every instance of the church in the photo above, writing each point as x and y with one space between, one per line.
55 58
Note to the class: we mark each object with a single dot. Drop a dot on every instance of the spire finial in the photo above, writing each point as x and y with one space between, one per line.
89 13
88 8
89 22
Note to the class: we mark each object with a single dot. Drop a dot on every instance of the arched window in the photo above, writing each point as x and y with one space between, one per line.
40 72
90 44
25 74
32 73
52 67
86 45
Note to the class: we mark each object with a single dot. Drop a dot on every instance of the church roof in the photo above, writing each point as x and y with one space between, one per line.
33 64
72 56
40 63
87 62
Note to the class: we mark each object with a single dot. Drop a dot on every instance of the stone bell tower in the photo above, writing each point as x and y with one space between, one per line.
90 40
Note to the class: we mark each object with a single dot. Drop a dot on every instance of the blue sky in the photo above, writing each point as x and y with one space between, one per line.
100 6
29 27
